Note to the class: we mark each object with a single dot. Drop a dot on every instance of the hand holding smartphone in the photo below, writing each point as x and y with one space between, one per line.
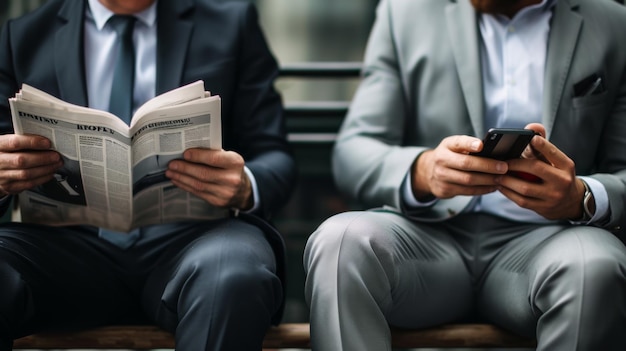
505 144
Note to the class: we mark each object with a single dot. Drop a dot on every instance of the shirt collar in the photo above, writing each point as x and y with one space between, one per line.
545 5
101 14
542 7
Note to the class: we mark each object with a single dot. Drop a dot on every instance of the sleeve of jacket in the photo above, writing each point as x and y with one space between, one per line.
261 132
369 161
8 85
8 88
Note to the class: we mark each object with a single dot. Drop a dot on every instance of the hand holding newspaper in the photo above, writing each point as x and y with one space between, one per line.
114 174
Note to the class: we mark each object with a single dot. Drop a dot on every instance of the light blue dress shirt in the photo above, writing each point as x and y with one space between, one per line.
513 55
101 51
100 54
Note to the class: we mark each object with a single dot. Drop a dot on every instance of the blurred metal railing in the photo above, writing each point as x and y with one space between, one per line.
321 69
314 122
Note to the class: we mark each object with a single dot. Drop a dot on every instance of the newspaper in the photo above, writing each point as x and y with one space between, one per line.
113 174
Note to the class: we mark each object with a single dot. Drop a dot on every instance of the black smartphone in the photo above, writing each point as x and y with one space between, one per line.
505 143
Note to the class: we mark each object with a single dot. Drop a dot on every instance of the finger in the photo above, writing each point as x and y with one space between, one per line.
214 158
450 190
201 178
531 170
551 154
193 172
522 192
32 159
204 156
207 194
484 165
471 163
537 128
453 182
522 186
523 201
466 178
14 142
30 173
462 144
188 188
17 186
182 175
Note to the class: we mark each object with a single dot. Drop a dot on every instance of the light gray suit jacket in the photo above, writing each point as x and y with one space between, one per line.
422 82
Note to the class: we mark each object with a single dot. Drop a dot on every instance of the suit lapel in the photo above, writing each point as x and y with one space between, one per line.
463 27
564 32
174 32
68 53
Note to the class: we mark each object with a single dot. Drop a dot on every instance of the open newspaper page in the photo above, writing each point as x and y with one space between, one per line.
97 184
159 137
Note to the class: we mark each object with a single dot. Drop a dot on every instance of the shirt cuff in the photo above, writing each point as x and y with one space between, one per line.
256 201
409 198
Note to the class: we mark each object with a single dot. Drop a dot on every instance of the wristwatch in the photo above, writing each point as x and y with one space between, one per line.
586 204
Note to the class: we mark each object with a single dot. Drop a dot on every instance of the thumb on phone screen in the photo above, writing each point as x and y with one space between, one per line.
529 152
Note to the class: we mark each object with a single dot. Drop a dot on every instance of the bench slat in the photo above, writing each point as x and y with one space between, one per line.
459 335
115 337
287 335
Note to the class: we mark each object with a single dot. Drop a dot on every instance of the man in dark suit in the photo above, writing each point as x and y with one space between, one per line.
216 285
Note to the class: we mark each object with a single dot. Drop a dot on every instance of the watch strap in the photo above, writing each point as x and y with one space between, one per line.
587 198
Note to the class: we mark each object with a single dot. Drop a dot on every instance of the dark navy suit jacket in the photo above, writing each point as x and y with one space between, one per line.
218 42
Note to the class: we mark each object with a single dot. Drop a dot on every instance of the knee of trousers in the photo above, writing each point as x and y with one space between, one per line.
231 281
15 304
352 242
585 259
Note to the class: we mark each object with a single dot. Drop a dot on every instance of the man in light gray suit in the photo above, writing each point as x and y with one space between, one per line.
457 237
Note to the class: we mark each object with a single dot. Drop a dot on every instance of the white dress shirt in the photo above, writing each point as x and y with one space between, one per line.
513 55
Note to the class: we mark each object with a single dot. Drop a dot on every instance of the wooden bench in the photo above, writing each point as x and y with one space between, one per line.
288 335
312 129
